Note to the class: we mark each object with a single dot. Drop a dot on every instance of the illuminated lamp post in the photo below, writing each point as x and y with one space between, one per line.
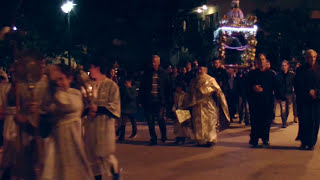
67 8
202 10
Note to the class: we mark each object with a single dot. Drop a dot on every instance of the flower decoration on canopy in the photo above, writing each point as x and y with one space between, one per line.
234 25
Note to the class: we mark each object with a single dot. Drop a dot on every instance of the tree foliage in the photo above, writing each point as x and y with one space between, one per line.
197 39
284 34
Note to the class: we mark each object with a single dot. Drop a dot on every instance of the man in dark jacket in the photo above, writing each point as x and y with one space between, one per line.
261 85
222 77
307 87
241 89
192 70
154 94
285 79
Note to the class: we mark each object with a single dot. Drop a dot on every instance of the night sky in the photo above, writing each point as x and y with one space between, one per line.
249 6
132 25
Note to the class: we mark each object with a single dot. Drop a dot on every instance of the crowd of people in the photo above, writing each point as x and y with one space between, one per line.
60 125
251 93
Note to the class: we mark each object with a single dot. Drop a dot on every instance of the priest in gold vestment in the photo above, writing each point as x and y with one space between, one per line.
209 108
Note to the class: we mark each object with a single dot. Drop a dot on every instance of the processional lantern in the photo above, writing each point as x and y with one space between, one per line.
28 71
237 33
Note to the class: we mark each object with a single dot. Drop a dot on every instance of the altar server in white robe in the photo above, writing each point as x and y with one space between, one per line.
99 124
65 155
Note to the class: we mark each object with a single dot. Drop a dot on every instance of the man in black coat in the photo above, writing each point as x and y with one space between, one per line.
221 75
307 87
261 85
154 95
241 90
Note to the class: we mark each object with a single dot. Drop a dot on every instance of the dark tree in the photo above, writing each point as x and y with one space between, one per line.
286 33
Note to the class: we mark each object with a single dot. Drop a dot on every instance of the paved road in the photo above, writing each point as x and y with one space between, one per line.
230 159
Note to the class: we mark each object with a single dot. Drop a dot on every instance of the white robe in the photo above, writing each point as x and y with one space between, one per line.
100 131
65 155
180 130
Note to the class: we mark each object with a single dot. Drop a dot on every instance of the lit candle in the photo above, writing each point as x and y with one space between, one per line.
90 88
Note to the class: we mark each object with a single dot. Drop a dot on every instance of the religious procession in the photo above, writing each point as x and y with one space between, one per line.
63 120
62 125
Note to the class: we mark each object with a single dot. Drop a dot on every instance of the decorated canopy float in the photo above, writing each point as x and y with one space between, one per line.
236 37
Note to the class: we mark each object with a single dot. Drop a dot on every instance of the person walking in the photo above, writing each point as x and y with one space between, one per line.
261 85
285 80
128 108
65 155
154 93
99 125
207 99
307 87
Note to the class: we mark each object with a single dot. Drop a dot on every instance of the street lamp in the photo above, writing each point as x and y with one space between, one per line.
67 8
202 9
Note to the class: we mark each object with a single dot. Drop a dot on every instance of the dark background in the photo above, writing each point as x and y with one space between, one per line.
130 31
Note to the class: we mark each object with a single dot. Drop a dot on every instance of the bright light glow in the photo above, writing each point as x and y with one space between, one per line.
204 7
15 28
229 30
199 10
67 6
239 29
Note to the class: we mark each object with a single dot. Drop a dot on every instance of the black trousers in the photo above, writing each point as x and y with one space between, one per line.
309 115
232 104
244 110
156 112
123 122
261 118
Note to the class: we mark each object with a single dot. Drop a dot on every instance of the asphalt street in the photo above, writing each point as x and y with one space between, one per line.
231 158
